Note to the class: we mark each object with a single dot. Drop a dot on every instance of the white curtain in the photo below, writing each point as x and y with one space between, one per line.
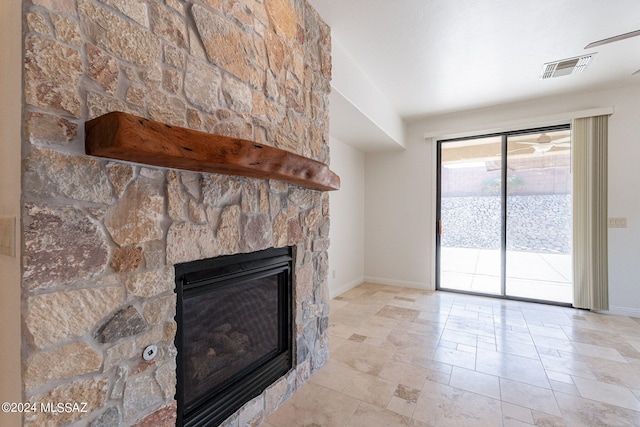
590 260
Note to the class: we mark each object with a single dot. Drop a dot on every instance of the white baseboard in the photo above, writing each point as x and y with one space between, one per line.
622 311
339 290
400 283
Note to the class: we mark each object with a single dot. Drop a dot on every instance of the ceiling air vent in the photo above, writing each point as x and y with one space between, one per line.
565 67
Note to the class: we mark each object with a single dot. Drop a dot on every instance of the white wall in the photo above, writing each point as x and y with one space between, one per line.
398 209
400 196
10 113
346 252
354 96
624 201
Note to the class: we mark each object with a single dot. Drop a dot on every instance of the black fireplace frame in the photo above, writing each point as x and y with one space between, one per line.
197 277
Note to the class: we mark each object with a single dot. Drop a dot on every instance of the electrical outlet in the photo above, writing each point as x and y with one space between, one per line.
8 236
618 222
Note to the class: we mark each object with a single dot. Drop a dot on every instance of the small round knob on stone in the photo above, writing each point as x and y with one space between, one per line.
150 352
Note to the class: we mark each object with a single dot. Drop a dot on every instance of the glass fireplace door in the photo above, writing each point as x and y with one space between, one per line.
235 332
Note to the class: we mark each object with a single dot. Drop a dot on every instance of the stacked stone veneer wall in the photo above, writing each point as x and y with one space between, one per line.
101 237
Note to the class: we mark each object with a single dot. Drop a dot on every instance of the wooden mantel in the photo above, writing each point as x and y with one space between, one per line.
127 137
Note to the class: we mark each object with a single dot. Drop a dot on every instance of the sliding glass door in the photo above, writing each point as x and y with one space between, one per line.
470 226
538 252
504 215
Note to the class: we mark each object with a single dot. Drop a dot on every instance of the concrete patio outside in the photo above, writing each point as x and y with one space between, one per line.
539 276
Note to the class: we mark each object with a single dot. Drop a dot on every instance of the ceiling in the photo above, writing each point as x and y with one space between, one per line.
432 57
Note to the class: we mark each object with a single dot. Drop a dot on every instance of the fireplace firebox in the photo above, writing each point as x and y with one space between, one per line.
234 335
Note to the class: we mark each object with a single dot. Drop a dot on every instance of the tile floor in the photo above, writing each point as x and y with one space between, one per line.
405 357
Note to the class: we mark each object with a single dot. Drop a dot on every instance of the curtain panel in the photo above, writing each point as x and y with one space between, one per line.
590 253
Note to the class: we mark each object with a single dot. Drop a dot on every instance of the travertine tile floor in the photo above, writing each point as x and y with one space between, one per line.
404 357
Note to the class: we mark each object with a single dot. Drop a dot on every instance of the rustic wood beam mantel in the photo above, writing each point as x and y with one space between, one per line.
127 137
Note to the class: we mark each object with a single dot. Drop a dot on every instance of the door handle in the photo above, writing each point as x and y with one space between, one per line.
440 227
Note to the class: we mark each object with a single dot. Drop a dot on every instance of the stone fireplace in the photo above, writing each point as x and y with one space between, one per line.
102 238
